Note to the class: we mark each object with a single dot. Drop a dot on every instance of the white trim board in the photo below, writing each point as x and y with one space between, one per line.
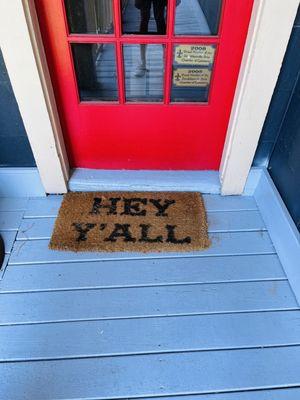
282 229
110 180
20 182
28 72
269 32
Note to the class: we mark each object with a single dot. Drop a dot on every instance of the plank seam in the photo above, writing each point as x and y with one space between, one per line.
26 239
145 353
149 316
3 292
34 216
109 260
183 395
140 258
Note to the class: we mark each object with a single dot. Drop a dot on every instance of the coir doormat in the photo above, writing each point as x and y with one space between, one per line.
131 221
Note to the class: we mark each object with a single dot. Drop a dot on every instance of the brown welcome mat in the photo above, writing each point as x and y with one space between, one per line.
131 221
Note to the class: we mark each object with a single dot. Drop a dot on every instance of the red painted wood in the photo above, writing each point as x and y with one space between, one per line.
145 136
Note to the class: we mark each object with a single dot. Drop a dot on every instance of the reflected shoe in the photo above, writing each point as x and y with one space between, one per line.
140 71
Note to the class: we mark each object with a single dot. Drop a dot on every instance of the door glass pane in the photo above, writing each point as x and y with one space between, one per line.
198 17
90 16
95 68
192 70
144 17
144 72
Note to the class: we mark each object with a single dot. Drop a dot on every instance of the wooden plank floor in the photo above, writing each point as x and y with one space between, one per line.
221 324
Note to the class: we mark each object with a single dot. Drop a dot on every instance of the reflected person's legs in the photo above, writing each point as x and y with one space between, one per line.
159 10
159 7
141 69
145 12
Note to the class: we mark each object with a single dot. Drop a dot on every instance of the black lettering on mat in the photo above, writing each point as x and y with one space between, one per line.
112 207
162 207
83 230
121 230
133 207
172 236
145 235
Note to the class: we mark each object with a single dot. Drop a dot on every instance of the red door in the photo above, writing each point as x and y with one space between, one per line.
144 84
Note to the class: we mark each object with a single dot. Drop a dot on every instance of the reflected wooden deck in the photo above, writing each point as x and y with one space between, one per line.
130 325
149 87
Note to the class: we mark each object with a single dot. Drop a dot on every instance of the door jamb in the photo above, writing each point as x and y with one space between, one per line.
271 23
25 59
258 74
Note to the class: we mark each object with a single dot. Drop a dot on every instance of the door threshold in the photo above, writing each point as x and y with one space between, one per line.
133 180
207 182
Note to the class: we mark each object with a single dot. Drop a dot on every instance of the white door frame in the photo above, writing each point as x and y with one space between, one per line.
268 36
24 56
25 59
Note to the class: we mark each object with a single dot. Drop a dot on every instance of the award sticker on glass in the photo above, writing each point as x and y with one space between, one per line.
186 54
191 77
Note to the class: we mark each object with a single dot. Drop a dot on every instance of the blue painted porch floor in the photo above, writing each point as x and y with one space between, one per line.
221 324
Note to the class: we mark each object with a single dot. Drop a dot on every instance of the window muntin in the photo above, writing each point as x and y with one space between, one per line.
159 63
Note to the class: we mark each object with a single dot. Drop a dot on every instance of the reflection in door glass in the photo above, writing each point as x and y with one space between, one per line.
192 70
144 17
90 16
198 17
95 68
144 72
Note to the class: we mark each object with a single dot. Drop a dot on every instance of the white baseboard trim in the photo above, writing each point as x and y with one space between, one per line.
282 229
20 182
